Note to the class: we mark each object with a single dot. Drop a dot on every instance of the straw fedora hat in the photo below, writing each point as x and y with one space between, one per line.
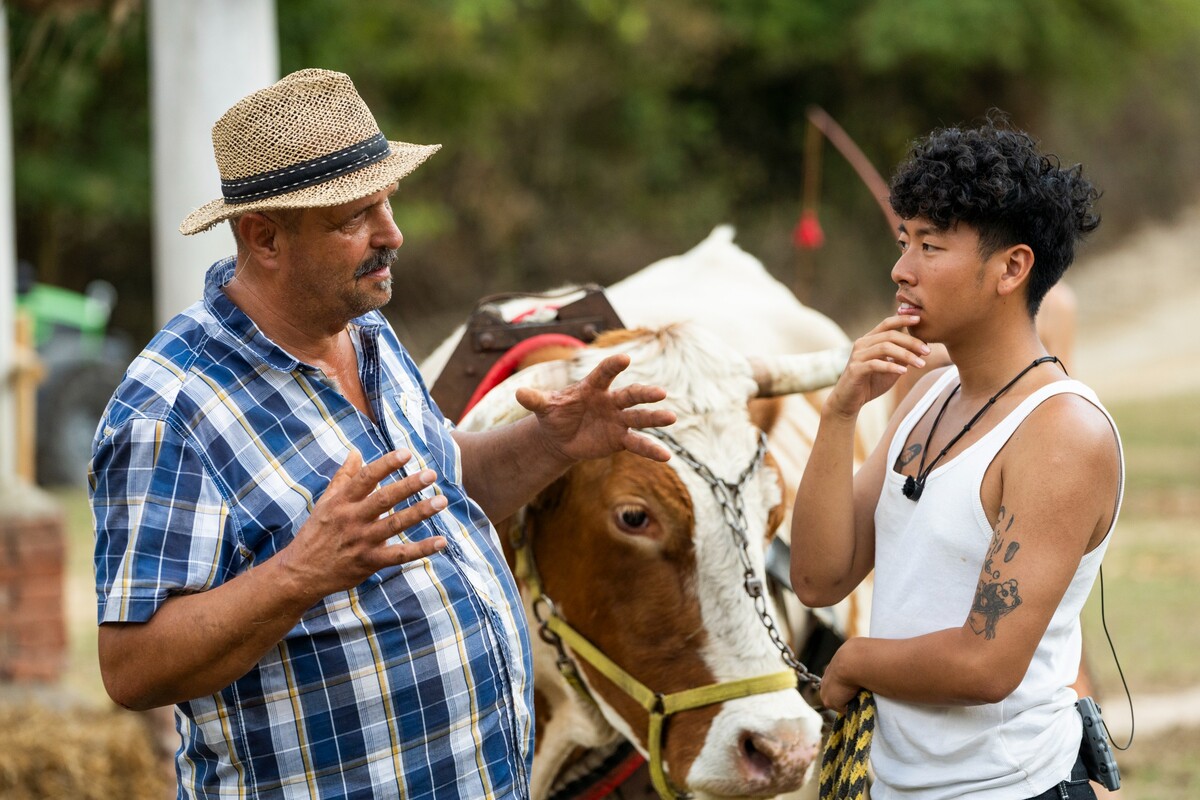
307 141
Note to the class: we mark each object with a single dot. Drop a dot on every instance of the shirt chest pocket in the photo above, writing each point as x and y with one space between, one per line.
413 425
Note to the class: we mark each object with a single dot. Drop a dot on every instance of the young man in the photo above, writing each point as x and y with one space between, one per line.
989 502
292 544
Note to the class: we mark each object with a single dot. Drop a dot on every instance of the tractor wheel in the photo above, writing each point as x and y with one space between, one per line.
70 403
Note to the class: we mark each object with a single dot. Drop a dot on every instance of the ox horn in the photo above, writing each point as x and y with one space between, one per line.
499 406
800 372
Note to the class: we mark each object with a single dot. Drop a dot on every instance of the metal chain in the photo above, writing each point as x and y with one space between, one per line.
562 661
729 497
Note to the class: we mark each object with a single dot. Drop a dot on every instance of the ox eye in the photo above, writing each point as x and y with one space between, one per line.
632 519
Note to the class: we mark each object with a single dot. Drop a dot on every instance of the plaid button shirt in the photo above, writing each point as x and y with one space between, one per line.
210 456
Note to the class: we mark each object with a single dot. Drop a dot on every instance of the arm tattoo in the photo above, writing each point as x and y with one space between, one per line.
907 455
995 596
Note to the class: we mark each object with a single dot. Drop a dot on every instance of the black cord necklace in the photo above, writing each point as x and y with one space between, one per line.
913 487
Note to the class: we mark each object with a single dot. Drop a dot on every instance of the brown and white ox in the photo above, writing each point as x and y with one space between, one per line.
641 559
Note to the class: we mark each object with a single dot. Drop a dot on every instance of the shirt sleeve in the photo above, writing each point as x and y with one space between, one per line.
162 525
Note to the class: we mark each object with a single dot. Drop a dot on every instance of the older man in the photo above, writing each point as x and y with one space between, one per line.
292 544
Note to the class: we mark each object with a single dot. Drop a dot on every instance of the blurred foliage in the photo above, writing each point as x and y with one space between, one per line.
81 141
587 138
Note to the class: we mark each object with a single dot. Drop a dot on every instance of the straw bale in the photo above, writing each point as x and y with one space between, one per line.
59 751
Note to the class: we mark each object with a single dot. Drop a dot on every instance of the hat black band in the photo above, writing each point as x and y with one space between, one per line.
306 173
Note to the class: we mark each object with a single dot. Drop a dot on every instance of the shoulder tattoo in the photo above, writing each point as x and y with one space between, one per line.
907 455
996 595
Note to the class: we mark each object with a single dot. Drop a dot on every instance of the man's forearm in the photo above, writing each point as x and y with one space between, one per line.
823 521
947 667
197 644
503 469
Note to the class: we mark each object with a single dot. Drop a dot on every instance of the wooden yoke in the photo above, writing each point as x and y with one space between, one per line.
488 335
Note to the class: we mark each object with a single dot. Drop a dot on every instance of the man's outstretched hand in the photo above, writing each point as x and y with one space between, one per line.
589 419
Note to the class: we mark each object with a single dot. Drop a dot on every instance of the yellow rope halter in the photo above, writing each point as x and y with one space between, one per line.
660 707
844 762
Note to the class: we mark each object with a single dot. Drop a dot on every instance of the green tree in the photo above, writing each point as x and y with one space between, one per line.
80 99
586 138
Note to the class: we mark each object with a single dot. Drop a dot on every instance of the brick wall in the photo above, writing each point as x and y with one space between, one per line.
33 637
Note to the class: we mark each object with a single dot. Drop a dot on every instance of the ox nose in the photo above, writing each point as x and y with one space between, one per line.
776 759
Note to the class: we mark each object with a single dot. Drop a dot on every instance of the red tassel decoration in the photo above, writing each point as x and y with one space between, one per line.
807 235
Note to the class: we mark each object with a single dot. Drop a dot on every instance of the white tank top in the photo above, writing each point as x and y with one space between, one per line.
927 561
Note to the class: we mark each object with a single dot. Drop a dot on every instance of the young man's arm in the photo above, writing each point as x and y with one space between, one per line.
1055 501
833 542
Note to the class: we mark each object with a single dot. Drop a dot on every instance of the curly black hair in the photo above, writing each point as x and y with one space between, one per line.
994 179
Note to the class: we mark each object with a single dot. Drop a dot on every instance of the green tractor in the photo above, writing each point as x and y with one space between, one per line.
83 364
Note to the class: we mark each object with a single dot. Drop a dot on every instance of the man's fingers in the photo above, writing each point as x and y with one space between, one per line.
648 418
532 400
365 480
646 447
346 472
889 351
830 703
867 369
364 496
388 463
900 338
892 353
639 394
896 322
407 517
389 495
895 329
607 370
397 554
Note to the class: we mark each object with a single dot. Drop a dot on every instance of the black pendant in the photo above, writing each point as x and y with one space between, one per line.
912 488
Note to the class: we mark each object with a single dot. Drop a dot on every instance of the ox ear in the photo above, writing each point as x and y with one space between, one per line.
798 373
500 407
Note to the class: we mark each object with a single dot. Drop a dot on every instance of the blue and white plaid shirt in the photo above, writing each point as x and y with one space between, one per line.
211 455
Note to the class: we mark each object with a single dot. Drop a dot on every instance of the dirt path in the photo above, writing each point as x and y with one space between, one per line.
1153 713
1137 306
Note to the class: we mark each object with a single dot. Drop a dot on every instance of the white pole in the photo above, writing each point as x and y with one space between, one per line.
205 55
8 270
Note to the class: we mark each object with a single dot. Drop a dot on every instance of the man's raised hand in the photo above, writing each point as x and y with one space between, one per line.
345 539
877 361
588 419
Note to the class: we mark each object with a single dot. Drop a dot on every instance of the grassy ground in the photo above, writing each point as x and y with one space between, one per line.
83 675
1164 767
1151 593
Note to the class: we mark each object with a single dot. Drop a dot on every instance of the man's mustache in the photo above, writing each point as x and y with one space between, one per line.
383 257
